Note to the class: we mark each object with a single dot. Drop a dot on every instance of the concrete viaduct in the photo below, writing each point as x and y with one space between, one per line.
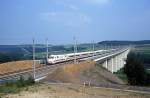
115 60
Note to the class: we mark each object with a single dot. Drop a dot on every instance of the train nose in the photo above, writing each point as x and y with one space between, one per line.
49 61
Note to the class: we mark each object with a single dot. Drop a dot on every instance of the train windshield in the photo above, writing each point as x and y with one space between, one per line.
51 57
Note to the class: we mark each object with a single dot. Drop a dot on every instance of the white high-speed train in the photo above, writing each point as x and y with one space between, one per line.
53 59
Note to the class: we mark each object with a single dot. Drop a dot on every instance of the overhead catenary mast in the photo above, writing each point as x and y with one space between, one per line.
47 52
33 66
75 50
93 49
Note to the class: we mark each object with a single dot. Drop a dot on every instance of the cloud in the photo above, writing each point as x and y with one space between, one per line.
73 7
66 18
98 1
85 18
66 4
50 14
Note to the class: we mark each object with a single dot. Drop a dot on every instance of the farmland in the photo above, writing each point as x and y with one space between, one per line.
16 66
144 52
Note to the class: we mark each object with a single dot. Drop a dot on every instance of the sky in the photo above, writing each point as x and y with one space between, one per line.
61 20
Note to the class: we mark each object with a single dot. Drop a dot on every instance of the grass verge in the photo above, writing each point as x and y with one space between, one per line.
15 87
120 74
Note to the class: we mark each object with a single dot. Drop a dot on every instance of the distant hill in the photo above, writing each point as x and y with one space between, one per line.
125 42
14 53
24 52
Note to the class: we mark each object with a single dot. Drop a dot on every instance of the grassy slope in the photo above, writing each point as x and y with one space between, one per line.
120 73
83 72
72 91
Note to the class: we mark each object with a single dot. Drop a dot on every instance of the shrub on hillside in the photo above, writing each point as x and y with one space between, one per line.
134 69
15 86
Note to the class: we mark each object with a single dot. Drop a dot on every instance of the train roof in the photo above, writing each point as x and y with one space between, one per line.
79 53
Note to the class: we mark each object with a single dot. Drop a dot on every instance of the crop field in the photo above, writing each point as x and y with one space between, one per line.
145 49
16 66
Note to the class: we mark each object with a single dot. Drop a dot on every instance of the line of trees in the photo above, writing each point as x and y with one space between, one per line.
125 42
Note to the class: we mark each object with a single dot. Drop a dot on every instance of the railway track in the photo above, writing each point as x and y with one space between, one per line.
41 71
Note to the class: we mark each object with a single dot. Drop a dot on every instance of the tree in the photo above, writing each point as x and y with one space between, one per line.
134 69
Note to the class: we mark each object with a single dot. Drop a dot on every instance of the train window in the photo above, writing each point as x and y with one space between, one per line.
51 57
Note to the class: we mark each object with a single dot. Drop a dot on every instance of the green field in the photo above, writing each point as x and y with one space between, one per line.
120 73
144 51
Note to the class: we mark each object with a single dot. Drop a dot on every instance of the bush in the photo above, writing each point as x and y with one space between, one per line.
135 71
15 86
22 82
30 81
120 73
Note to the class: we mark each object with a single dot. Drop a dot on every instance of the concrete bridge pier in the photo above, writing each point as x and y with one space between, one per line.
110 65
115 64
106 64
119 62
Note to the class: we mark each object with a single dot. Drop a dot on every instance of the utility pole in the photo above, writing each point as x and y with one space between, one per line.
105 48
111 47
33 66
93 50
75 50
47 52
